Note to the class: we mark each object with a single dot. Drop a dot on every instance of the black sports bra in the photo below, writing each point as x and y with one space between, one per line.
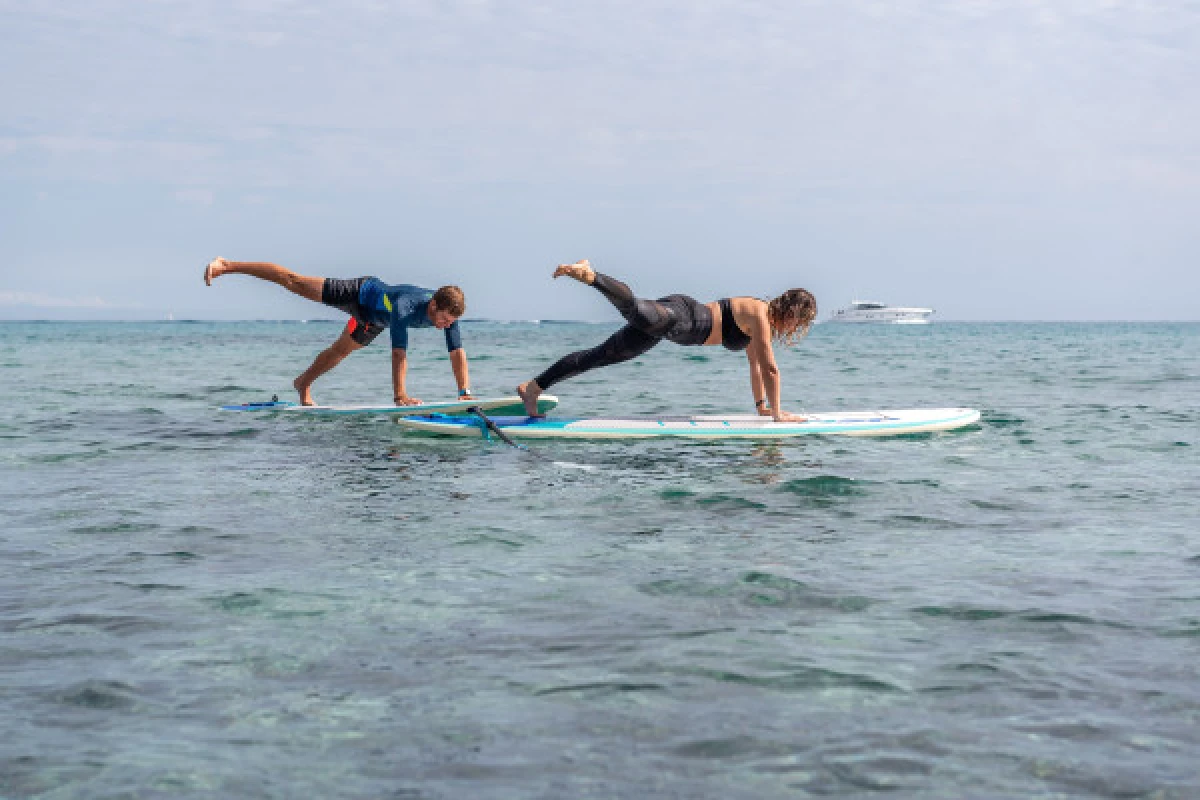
733 337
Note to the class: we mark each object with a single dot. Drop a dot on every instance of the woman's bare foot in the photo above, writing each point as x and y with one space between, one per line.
213 269
305 392
529 393
581 271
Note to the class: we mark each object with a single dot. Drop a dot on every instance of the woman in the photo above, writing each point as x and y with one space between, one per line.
739 323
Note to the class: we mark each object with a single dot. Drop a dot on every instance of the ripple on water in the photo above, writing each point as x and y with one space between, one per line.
150 587
822 491
175 555
1103 780
918 521
100 695
732 747
121 624
1049 620
599 689
117 527
758 588
879 772
274 603
714 501
795 678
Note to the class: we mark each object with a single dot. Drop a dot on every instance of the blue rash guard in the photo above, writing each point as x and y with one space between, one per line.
401 307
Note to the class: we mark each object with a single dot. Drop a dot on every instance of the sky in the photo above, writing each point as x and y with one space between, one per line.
1017 160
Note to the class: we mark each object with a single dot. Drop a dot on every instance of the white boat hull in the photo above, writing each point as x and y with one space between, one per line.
862 313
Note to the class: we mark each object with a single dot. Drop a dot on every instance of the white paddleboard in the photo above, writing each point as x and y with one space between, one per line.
489 405
845 423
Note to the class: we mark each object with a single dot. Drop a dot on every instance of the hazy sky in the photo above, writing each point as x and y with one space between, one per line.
1027 159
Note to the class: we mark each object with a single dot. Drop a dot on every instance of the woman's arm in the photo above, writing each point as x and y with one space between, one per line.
761 353
756 387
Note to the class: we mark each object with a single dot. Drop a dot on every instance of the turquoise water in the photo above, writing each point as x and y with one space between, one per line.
205 604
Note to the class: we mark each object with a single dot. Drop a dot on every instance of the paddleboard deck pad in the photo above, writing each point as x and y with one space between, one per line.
489 405
844 423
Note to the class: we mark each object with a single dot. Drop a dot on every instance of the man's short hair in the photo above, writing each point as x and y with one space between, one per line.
451 300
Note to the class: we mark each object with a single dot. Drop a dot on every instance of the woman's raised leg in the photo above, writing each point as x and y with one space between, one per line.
647 316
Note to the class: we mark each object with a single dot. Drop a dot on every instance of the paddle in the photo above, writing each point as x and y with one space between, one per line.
491 426
494 428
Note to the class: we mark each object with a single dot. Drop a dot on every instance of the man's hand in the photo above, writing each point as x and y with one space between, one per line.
405 400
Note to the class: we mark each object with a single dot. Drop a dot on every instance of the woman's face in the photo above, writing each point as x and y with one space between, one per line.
791 324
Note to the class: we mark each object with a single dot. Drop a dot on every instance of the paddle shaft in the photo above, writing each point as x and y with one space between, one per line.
491 426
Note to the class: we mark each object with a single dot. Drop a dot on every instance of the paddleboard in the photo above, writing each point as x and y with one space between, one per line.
845 423
489 405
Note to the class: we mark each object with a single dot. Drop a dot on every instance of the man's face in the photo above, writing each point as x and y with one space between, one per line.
439 318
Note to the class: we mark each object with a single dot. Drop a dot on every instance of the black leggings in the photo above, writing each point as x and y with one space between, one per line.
676 318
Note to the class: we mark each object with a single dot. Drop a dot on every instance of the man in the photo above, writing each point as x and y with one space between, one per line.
372 305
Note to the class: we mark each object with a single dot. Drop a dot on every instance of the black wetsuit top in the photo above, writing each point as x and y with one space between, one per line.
733 337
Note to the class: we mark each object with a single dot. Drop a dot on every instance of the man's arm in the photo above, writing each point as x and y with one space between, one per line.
399 372
458 363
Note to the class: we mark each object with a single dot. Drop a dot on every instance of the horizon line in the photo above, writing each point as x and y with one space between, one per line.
551 321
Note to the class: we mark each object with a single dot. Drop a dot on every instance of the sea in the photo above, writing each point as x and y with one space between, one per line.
199 603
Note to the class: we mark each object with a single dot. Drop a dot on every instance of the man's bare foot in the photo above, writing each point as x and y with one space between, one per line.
213 269
529 393
581 271
305 393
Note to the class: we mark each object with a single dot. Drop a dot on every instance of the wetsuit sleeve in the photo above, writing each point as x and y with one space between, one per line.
453 337
399 334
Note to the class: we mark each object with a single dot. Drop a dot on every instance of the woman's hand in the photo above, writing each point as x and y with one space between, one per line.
784 416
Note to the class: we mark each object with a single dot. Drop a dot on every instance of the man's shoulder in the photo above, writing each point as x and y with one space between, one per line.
407 303
407 296
407 289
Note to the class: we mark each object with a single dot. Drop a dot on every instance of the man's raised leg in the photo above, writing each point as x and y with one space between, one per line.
307 287
326 360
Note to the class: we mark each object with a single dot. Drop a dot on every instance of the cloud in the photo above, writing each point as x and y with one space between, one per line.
652 91
37 300
195 197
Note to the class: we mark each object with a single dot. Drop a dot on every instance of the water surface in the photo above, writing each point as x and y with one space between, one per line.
206 604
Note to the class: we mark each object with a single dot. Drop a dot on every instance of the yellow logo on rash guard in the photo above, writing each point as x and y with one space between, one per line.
387 303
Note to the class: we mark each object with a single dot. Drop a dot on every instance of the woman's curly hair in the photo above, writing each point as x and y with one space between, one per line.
791 315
